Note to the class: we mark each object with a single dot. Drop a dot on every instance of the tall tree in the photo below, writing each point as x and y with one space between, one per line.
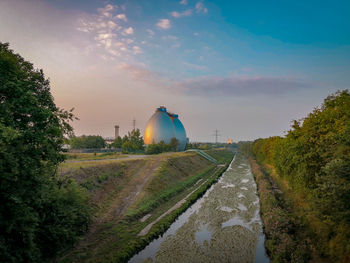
36 217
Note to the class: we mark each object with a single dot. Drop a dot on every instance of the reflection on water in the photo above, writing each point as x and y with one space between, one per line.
222 226
203 235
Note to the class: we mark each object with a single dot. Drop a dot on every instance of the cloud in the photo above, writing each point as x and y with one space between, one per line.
240 86
112 25
200 8
106 11
150 32
110 33
183 2
187 12
164 24
128 31
137 71
121 17
136 50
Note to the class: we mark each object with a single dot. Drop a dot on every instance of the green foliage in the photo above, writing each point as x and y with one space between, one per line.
192 146
65 216
38 214
160 147
174 144
87 142
118 142
205 147
315 156
133 142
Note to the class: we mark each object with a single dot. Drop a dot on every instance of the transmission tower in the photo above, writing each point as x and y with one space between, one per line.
216 134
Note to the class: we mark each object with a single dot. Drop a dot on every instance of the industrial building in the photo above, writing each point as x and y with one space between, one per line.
163 126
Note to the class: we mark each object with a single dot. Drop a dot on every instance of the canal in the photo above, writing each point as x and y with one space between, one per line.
222 226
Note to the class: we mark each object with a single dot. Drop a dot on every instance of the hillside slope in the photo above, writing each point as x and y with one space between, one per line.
128 195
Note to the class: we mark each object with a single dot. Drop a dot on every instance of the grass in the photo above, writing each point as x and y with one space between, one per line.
317 232
286 235
158 197
221 155
116 240
136 245
92 156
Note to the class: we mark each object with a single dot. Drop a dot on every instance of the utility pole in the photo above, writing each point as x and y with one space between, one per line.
216 134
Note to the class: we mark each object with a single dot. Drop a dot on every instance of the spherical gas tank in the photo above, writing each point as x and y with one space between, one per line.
159 127
180 132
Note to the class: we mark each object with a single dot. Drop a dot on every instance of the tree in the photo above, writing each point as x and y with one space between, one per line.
133 142
35 205
314 157
174 144
87 142
117 143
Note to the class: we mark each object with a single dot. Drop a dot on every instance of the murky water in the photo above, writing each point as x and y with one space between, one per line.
222 226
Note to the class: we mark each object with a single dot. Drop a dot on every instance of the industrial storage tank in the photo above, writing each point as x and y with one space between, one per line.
159 127
180 133
163 126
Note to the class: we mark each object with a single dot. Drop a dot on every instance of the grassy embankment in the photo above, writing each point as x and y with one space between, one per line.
93 156
287 237
123 192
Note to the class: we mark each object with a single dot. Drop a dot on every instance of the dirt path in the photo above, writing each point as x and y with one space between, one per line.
130 192
122 201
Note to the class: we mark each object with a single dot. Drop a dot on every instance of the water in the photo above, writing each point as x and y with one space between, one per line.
222 226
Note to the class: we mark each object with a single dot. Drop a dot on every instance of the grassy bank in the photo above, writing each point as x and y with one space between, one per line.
119 217
287 237
138 244
92 156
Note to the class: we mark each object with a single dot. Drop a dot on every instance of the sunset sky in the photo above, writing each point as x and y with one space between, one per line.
246 68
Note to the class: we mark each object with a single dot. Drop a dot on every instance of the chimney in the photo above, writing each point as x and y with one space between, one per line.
116 129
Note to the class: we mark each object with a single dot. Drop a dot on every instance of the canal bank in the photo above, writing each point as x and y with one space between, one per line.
222 226
138 196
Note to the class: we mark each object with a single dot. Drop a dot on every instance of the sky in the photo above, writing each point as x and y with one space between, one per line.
245 68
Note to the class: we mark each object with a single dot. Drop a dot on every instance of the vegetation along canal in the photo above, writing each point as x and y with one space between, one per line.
222 226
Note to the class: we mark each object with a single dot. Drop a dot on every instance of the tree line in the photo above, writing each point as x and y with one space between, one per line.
130 143
314 157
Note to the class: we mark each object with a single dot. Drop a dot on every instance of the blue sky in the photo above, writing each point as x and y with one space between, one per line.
246 68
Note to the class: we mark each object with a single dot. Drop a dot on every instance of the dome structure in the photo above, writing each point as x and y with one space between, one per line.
180 133
159 127
163 126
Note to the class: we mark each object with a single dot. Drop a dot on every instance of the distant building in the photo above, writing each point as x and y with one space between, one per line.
116 131
229 141
109 140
